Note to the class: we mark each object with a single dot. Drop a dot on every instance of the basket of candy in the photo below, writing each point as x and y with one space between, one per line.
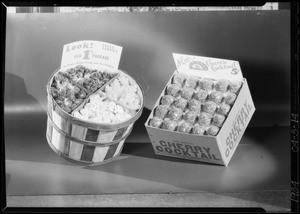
202 112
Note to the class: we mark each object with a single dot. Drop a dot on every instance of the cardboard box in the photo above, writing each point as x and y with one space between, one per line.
217 149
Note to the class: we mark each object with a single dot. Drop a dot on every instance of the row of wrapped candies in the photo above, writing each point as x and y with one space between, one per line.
206 84
184 127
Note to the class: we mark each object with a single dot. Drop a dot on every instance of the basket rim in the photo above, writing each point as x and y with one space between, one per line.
91 124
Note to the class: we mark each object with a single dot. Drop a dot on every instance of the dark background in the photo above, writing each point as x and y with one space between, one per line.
260 41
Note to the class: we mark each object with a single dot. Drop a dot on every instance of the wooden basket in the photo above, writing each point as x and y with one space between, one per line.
83 141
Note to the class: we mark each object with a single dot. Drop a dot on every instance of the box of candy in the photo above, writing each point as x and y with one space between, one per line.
92 105
202 112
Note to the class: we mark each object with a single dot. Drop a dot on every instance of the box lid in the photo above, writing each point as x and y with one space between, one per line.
214 68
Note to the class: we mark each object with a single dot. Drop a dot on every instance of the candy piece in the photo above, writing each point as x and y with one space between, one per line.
204 119
173 89
179 78
190 116
212 130
161 111
229 98
218 120
185 127
167 100
194 105
222 85
216 96
191 82
199 129
224 109
180 103
234 86
206 84
209 107
201 95
156 122
169 124
187 92
175 113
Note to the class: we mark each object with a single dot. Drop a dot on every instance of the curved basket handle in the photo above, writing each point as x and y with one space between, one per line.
147 86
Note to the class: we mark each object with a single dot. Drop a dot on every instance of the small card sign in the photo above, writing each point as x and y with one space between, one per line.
214 68
91 53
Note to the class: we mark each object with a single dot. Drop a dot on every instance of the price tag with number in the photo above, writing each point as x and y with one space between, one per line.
92 53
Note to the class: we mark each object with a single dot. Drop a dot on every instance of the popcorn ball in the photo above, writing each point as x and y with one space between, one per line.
167 100
204 119
156 122
125 92
222 85
229 98
191 82
224 109
212 130
194 105
179 78
234 86
185 127
181 103
187 92
210 107
216 96
175 114
190 116
218 120
206 84
169 124
199 129
201 95
161 111
173 89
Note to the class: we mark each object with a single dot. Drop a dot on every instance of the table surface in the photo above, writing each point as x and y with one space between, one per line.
260 165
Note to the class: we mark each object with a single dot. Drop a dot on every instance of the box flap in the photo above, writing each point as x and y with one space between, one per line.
91 53
208 67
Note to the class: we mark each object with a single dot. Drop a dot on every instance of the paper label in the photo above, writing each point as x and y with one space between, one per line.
93 53
208 67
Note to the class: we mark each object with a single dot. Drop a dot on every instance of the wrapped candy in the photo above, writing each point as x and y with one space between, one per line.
224 109
185 127
179 78
181 103
194 105
218 120
216 96
187 92
209 107
222 85
234 86
173 89
169 124
161 111
191 82
190 116
167 100
206 84
201 95
175 113
156 122
199 129
212 130
229 98
204 119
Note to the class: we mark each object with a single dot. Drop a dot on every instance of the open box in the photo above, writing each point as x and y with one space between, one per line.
217 149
